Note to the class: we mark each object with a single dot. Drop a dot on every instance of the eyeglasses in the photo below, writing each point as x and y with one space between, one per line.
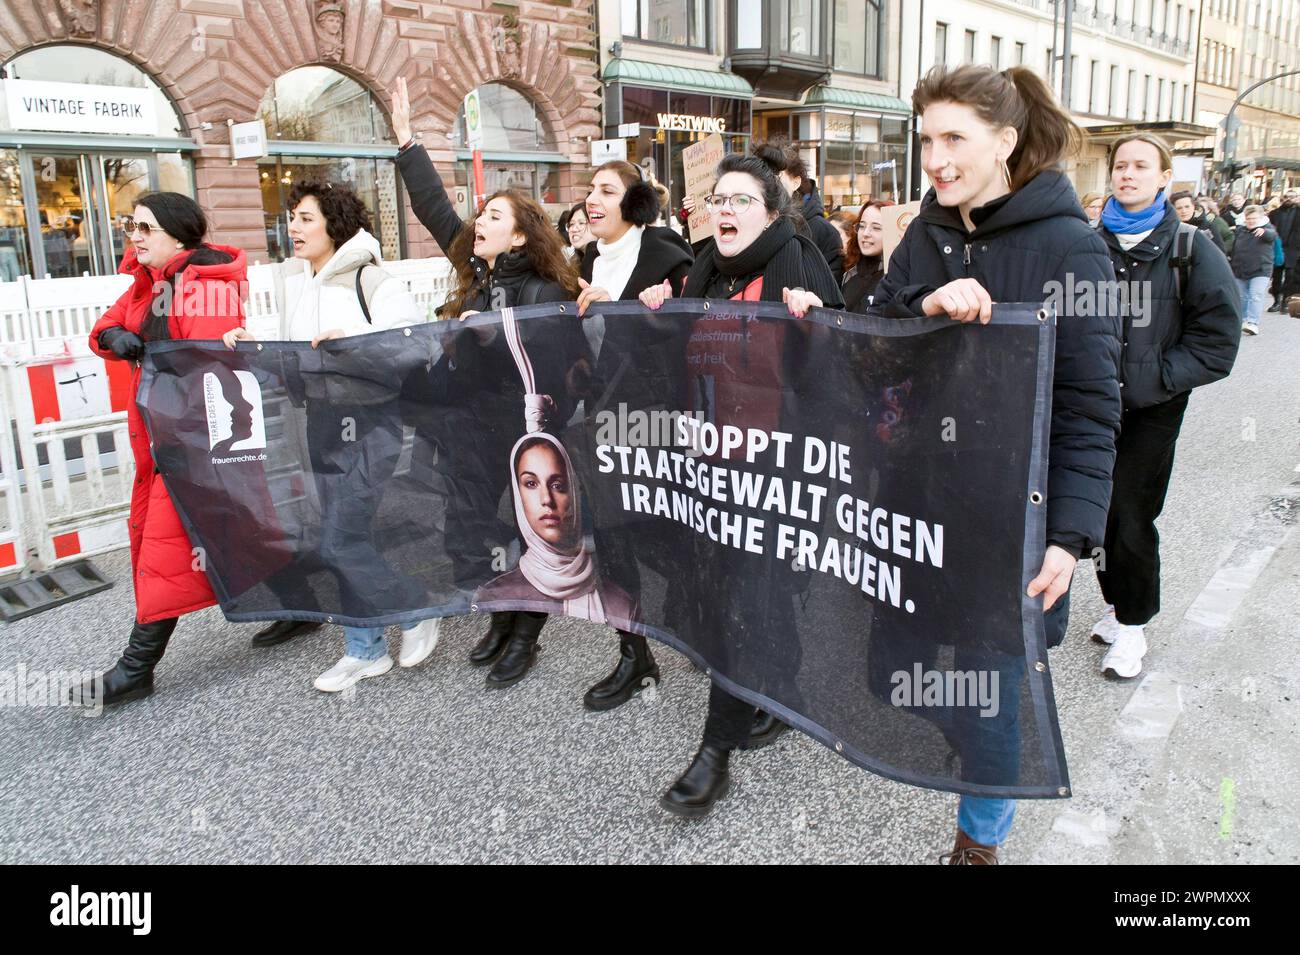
129 226
738 202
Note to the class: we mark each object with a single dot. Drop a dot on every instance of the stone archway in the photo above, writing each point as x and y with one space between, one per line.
216 59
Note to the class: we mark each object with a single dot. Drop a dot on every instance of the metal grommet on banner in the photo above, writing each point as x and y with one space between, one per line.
839 747
1063 791
706 306
406 332
259 347
1040 666
473 608
329 619
839 319
563 309
1036 497
1043 315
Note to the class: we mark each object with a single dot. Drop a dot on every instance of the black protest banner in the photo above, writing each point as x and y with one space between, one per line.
837 517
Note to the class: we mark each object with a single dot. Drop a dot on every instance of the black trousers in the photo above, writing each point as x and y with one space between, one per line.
730 719
1129 571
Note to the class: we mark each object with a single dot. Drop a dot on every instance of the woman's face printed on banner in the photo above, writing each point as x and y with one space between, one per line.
155 248
604 212
733 231
494 231
307 231
1136 176
962 155
545 492
871 232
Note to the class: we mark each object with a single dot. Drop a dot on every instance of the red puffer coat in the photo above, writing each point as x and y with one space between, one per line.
206 305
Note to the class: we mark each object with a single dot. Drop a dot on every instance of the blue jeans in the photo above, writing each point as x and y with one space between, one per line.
367 643
1254 297
987 821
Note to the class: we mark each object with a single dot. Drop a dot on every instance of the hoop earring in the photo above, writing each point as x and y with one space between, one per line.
1006 173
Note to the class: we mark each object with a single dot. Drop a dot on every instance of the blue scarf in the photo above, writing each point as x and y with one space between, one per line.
1122 222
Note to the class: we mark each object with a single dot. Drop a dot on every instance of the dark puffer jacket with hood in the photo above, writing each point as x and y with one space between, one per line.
826 236
1022 242
1171 347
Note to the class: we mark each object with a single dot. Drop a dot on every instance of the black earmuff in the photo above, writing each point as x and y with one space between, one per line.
640 205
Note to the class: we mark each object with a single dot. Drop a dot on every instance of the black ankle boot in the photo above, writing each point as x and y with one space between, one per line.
282 630
132 677
494 641
635 666
520 652
765 730
705 781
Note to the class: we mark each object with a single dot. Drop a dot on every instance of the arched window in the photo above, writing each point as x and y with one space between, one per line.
511 123
83 133
519 151
316 104
322 124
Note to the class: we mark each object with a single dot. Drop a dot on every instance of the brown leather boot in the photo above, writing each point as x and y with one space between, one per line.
969 852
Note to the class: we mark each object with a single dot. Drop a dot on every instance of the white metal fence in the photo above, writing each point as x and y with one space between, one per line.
66 481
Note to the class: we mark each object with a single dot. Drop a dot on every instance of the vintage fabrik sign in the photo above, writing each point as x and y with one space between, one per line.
80 108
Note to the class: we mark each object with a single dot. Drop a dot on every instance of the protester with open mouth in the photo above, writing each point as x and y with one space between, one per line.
508 255
169 263
332 288
755 255
1186 337
1001 223
630 254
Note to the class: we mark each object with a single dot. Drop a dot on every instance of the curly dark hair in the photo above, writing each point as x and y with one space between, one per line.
345 214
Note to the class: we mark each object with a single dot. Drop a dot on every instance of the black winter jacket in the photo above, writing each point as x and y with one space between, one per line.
827 237
1171 347
1021 243
1253 257
1286 219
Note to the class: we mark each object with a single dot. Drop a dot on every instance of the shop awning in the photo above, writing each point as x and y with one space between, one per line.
679 78
855 99
74 141
1170 129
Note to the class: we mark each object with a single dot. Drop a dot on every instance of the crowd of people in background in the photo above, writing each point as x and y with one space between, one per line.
993 144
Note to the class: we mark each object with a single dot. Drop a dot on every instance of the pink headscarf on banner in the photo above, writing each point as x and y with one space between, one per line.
568 575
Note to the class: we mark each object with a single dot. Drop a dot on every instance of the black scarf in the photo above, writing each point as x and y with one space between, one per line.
784 259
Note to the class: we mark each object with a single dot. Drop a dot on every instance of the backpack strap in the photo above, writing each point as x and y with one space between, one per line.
366 287
1182 257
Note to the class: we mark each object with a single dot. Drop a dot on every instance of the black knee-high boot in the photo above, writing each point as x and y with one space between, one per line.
132 677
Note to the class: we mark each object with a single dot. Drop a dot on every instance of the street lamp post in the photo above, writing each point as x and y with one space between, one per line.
1230 134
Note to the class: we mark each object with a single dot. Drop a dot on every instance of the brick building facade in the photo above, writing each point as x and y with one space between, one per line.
216 60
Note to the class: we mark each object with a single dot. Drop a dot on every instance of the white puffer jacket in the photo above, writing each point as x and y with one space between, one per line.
310 304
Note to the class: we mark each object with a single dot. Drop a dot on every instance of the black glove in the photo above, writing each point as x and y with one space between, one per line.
122 343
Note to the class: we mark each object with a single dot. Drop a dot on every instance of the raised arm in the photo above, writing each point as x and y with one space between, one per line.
428 197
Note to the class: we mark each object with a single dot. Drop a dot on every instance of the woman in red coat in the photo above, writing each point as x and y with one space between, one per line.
183 288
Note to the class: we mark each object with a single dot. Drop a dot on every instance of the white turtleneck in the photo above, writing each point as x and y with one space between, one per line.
613 267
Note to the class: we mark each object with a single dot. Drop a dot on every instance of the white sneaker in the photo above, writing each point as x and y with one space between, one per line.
1249 328
1107 628
1124 658
349 670
417 644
